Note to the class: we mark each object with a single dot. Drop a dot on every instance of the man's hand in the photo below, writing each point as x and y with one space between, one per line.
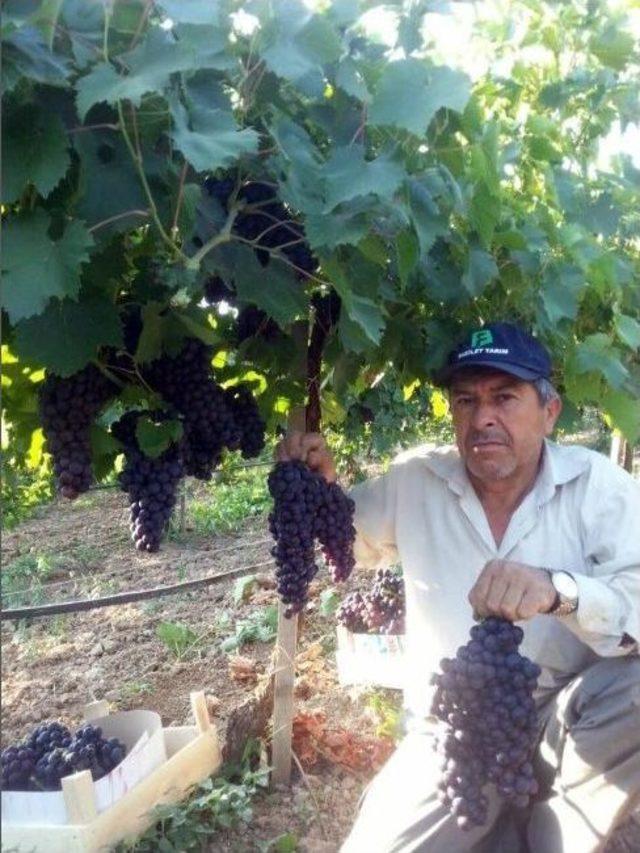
512 590
309 447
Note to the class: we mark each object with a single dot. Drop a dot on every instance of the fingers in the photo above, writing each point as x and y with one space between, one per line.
511 590
308 447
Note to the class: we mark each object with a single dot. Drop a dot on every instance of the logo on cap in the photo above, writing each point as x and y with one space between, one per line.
482 338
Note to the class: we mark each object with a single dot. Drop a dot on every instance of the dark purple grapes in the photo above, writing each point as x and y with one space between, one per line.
151 484
307 507
484 696
186 382
68 406
335 531
247 417
51 752
381 610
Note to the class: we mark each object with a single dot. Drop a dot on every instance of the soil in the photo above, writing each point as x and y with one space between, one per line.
51 668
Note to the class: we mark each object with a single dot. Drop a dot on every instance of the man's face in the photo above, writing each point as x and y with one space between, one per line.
500 424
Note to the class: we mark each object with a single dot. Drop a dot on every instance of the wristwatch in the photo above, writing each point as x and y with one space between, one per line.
566 588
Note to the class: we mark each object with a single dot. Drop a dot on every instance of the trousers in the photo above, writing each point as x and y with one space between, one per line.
587 765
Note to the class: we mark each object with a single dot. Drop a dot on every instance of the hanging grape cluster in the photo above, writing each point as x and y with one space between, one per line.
68 406
186 382
151 484
484 696
380 610
305 508
51 752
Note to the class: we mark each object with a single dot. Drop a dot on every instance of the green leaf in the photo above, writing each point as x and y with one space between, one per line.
278 291
628 330
427 219
35 151
26 54
351 81
348 175
561 286
155 437
484 213
409 94
213 140
597 354
150 341
37 267
192 11
543 148
329 602
481 269
613 46
150 66
68 334
624 411
408 252
243 588
338 229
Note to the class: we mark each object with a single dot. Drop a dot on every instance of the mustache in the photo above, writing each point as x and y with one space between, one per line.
488 437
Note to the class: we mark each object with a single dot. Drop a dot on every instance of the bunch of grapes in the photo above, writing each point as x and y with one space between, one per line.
381 610
68 406
151 484
484 696
247 417
51 752
307 507
216 290
297 496
335 531
186 382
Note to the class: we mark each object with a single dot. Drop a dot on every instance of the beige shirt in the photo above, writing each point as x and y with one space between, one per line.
583 516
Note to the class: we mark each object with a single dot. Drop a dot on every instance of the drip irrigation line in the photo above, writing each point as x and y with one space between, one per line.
46 610
67 581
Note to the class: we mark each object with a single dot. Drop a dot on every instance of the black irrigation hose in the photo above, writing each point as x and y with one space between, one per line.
45 610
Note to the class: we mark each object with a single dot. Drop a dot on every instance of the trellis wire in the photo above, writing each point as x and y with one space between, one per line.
46 610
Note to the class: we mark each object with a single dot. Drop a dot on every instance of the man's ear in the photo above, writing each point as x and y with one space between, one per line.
553 409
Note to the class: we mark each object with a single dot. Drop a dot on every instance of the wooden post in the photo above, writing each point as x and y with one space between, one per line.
286 640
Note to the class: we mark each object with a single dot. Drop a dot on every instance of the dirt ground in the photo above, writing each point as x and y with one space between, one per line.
52 668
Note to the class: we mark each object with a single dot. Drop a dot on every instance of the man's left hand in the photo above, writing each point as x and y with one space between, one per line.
512 590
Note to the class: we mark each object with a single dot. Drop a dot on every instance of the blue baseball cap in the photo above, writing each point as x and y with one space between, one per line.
501 346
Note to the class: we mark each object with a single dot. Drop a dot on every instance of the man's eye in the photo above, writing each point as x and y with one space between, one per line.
463 401
502 398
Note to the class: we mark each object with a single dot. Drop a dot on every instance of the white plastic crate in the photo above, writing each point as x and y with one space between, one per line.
370 659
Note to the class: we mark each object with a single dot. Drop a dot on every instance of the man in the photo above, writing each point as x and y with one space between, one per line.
511 525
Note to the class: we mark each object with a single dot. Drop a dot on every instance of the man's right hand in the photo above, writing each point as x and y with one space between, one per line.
309 447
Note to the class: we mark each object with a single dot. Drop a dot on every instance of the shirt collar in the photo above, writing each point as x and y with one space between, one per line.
558 467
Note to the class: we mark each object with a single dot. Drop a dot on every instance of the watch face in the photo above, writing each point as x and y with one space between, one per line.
565 584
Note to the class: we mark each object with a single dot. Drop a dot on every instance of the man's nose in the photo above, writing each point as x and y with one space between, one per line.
484 415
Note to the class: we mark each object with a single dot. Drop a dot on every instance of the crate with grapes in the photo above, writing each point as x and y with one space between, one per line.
371 633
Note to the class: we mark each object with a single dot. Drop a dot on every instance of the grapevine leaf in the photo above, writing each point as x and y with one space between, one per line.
597 354
561 285
409 94
408 252
154 438
613 46
213 140
37 267
150 66
339 229
25 54
192 11
481 269
67 335
348 175
351 81
484 213
150 341
278 293
628 330
35 151
427 220
624 412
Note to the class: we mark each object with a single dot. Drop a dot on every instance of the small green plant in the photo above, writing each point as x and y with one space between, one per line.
23 578
218 803
260 627
133 689
285 843
180 639
387 709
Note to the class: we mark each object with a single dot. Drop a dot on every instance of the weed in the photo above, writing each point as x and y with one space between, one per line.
387 710
217 803
132 689
260 627
23 578
180 639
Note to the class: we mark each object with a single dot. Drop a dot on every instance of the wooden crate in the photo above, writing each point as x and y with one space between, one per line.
193 754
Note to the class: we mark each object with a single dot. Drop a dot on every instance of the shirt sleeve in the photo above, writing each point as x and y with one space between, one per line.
374 520
608 614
